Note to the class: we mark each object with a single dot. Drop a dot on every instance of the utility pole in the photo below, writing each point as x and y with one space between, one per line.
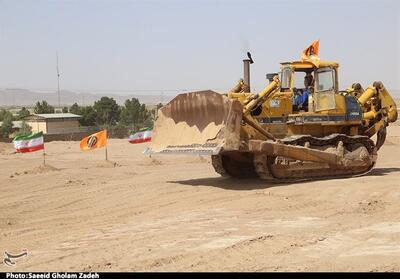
58 83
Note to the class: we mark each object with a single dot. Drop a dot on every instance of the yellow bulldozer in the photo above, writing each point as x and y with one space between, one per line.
299 127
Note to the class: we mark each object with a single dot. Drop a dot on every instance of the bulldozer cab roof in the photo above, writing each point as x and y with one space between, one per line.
304 65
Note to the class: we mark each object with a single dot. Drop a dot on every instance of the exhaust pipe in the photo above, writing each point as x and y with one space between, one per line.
246 69
246 72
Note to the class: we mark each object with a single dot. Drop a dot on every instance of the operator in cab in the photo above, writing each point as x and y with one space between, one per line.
301 95
301 99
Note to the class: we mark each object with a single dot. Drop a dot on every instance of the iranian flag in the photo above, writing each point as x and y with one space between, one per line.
143 135
29 143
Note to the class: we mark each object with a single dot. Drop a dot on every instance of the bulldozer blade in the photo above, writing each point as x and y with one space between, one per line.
202 123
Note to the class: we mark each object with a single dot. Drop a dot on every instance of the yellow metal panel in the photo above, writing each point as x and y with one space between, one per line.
367 95
340 104
389 104
309 65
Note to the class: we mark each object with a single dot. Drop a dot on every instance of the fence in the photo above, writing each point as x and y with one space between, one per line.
72 130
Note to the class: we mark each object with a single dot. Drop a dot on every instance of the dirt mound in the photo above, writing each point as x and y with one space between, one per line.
36 170
42 169
150 162
370 206
108 164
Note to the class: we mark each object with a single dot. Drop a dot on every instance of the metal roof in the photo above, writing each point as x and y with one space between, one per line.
54 115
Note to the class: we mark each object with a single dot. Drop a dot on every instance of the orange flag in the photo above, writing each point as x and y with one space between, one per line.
96 140
312 50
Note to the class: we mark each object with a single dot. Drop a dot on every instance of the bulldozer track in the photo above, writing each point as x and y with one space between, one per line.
216 161
269 170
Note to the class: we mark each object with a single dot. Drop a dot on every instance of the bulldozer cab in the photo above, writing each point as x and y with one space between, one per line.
312 87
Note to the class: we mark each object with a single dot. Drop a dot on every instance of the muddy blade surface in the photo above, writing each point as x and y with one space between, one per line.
197 123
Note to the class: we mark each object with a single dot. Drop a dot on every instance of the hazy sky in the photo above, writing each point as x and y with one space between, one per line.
172 45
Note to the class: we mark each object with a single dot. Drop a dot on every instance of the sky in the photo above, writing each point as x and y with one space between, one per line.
165 46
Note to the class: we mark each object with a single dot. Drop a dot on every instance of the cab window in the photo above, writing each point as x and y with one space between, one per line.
285 78
299 77
325 79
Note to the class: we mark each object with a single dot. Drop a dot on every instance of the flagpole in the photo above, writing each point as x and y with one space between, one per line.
106 154
106 145
44 156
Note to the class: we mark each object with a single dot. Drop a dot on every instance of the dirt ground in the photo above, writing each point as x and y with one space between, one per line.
81 213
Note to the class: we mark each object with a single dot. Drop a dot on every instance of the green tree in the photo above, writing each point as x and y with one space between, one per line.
107 111
148 123
43 107
3 114
64 109
159 105
134 114
89 116
75 109
23 113
25 130
6 126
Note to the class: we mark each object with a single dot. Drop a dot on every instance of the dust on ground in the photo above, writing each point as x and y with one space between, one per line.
135 213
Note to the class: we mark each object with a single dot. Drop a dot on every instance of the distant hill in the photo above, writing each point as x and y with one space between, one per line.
23 97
